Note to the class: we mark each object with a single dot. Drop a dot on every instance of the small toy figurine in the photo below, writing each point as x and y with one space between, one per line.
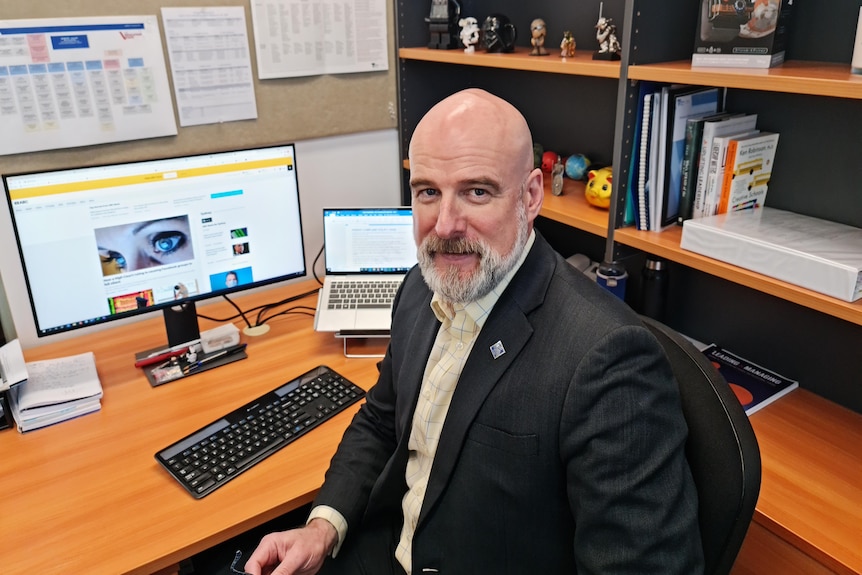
469 33
557 178
763 20
538 31
567 46
442 24
598 189
606 35
499 34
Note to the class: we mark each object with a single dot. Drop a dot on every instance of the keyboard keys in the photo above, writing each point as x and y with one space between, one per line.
215 454
362 294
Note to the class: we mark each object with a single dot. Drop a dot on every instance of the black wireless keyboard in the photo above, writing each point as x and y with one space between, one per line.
215 454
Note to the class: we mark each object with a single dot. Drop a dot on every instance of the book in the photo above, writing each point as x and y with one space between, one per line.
747 171
715 173
690 163
639 156
753 385
659 184
686 103
816 254
732 124
643 154
742 34
56 390
654 160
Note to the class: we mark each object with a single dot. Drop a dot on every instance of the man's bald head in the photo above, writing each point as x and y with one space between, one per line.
477 117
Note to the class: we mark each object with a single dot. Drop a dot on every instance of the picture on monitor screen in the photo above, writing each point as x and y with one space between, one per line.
104 242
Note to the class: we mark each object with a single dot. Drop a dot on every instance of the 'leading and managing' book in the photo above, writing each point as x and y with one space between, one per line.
754 386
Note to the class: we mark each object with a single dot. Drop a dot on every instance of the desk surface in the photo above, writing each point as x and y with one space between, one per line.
87 496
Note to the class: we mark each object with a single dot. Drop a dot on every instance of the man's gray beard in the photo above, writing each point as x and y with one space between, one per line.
493 266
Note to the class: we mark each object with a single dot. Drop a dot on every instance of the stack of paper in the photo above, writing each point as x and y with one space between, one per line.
56 390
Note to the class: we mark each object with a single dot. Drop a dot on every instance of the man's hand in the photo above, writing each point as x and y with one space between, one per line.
294 552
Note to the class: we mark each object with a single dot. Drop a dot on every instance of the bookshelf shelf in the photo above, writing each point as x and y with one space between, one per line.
581 64
571 208
666 244
795 77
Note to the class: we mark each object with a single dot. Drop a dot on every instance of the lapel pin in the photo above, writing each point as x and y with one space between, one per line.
497 349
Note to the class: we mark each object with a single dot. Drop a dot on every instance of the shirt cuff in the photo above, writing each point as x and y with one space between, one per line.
335 518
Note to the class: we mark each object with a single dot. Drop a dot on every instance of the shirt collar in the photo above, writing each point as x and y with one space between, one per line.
480 309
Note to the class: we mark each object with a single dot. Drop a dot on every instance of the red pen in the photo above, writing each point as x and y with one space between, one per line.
160 357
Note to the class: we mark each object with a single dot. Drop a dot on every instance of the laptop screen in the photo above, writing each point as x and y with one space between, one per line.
368 240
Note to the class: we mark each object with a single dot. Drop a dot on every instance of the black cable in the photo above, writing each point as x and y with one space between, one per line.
261 309
299 309
314 265
230 301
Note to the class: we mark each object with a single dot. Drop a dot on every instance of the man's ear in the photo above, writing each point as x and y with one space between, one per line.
534 190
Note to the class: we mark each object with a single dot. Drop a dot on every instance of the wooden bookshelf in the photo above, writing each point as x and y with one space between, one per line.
582 64
795 77
809 515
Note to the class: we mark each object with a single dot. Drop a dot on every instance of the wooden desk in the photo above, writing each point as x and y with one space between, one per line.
87 496
809 514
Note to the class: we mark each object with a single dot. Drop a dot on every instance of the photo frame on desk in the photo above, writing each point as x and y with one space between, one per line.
180 367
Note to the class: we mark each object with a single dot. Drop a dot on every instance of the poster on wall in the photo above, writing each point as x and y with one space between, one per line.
67 82
322 37
210 64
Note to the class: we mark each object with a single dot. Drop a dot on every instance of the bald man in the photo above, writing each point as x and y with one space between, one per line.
524 420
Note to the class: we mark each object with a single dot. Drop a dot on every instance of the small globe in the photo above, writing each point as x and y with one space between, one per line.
577 166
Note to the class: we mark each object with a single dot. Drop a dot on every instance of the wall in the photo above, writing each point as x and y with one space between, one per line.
346 120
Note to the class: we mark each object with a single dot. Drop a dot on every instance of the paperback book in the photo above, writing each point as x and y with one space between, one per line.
755 386
724 126
747 171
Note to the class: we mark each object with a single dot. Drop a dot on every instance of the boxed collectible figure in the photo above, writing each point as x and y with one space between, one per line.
742 33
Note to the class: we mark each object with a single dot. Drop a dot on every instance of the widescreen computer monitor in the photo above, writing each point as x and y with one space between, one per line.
106 242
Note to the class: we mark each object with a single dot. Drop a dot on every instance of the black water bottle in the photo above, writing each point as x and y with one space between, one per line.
654 280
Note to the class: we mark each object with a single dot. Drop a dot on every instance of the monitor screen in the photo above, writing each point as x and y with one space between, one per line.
104 242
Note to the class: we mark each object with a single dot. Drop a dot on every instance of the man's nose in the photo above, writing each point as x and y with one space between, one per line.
450 219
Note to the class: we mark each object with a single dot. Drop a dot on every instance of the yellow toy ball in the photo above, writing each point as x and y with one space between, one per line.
598 190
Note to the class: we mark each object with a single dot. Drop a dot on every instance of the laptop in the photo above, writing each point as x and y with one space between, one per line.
367 252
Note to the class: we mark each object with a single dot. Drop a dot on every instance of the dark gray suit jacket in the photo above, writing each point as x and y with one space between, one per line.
563 455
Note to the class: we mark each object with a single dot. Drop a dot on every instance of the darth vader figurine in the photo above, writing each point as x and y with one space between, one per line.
443 24
499 34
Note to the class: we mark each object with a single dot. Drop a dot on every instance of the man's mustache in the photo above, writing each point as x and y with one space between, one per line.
458 246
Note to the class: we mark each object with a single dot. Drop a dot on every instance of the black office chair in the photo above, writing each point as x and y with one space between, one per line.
721 449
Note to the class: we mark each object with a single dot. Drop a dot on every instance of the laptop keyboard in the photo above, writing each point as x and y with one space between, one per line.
362 294
212 456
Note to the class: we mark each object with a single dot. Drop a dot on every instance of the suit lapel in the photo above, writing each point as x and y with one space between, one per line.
508 324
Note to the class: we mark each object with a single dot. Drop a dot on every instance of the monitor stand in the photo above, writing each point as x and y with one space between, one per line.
181 324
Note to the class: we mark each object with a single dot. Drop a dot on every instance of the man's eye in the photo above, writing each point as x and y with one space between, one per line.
478 192
167 242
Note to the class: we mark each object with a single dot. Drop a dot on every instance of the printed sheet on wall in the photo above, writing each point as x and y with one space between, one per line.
322 37
67 82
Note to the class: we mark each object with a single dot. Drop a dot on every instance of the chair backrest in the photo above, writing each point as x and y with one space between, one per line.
721 449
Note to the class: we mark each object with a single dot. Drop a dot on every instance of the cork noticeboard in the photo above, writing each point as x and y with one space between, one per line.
289 109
